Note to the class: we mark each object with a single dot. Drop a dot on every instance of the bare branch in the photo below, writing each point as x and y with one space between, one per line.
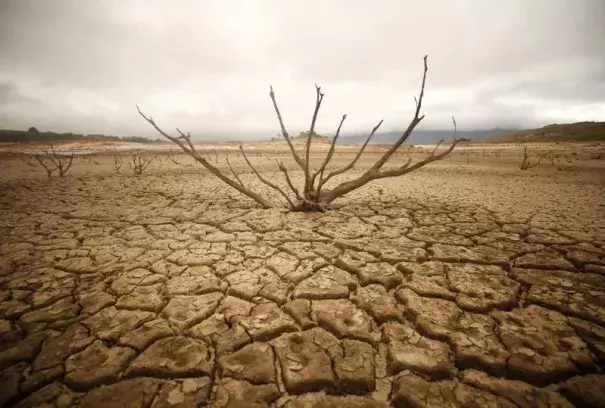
172 158
371 174
190 150
406 168
139 164
63 171
526 162
57 161
357 156
439 143
415 121
262 179
285 132
233 172
285 171
52 157
351 185
117 162
187 138
330 154
49 171
318 99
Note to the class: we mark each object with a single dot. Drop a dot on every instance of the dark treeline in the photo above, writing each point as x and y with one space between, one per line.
33 135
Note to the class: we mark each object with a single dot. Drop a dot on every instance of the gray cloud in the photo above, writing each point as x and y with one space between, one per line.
206 66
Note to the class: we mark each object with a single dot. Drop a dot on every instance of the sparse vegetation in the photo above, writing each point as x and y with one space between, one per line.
526 162
117 162
139 163
313 196
54 161
173 158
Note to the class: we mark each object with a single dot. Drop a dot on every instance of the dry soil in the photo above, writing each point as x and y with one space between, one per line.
470 283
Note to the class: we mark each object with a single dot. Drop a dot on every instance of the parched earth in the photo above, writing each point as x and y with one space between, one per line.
173 292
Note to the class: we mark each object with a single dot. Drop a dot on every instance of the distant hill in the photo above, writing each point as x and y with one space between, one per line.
423 136
572 132
302 136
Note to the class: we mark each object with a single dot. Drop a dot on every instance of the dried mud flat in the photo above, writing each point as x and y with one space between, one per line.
450 287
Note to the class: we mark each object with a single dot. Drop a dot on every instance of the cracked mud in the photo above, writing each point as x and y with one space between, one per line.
148 292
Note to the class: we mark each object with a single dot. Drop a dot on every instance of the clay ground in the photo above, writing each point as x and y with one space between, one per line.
469 283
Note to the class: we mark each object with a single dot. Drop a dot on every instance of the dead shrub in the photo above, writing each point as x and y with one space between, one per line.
53 161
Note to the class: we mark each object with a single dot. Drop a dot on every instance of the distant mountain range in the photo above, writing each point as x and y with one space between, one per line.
580 131
423 136
571 132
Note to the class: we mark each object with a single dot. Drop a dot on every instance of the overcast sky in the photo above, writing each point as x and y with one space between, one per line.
206 66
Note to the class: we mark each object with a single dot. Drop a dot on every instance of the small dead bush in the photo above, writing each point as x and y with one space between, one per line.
526 162
53 162
117 162
139 164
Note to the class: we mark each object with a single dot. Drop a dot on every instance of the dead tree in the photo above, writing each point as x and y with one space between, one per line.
139 164
117 162
526 161
314 196
54 161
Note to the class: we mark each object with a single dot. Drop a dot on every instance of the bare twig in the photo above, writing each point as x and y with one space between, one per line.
318 99
117 162
415 121
49 170
189 148
262 179
526 162
285 132
352 163
233 172
328 158
283 169
371 175
172 158
139 164
56 162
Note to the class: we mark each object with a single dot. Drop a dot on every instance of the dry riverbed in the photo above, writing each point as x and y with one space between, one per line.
468 283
